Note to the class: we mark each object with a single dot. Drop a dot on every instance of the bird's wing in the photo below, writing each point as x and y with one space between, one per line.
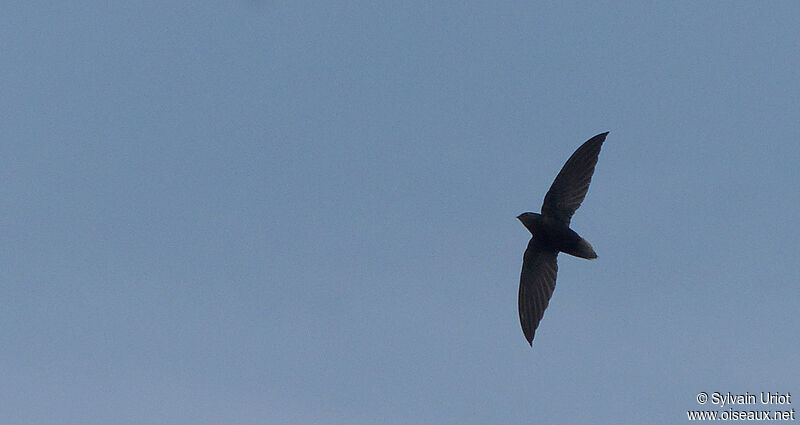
572 182
536 285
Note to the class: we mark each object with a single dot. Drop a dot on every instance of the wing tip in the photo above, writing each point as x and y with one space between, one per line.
529 338
601 136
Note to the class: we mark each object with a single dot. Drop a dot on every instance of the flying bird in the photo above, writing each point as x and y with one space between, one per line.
551 234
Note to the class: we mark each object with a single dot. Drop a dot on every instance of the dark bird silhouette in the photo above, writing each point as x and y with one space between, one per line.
551 234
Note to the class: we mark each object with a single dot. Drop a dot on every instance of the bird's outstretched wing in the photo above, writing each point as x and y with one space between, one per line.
536 285
572 182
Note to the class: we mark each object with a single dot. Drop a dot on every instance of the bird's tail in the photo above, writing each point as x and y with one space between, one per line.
582 249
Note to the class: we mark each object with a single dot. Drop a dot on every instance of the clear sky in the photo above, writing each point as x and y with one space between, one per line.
295 212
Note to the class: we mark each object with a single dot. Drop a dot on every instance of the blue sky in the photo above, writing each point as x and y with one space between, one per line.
253 212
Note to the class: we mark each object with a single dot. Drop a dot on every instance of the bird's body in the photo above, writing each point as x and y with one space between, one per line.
552 234
555 235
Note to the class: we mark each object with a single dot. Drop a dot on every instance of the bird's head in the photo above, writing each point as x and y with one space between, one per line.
530 220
